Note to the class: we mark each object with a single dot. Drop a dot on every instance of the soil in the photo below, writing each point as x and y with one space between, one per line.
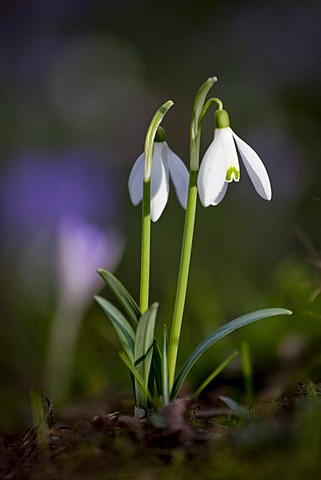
209 439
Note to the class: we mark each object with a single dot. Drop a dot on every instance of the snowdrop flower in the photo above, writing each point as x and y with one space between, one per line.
220 165
165 164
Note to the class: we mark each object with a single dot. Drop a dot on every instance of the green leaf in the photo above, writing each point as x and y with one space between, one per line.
217 335
122 327
215 373
122 295
139 379
165 369
143 351
236 407
156 369
41 421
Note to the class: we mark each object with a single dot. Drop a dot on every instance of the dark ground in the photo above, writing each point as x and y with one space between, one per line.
274 438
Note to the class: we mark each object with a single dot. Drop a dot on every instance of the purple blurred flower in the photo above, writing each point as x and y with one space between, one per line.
81 249
73 198
38 190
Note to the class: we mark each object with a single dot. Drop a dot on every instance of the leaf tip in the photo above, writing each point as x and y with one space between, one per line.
101 272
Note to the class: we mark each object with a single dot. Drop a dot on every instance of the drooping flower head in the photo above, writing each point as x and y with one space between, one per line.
220 165
165 164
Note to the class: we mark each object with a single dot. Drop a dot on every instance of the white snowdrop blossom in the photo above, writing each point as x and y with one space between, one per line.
220 165
165 164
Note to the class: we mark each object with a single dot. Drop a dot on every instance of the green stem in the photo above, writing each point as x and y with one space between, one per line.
145 248
183 277
146 220
195 136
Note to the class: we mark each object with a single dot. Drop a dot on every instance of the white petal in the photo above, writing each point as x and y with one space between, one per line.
159 188
179 175
157 172
135 181
225 136
221 195
255 168
212 173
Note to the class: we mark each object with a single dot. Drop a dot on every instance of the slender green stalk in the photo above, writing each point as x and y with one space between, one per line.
146 220
195 135
145 248
247 371
183 277
214 374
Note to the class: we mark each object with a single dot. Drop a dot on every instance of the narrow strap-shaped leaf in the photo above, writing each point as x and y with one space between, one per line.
165 369
122 327
233 405
144 356
217 335
139 379
156 369
143 343
215 373
122 295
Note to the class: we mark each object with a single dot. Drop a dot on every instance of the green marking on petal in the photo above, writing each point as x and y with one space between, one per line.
232 174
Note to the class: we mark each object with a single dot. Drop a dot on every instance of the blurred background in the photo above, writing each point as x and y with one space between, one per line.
79 83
